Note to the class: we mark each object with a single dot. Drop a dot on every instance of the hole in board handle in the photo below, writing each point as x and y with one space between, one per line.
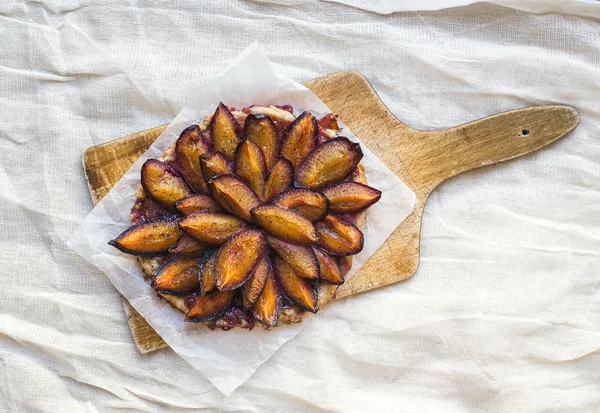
525 132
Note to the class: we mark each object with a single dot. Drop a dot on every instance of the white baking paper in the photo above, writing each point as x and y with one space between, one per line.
227 359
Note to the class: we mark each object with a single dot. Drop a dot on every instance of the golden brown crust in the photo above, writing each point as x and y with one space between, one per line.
289 315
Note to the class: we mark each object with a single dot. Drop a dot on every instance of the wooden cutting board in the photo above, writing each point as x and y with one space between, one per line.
422 160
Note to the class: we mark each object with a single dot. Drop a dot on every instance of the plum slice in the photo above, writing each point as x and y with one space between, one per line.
163 183
267 308
329 163
329 270
300 257
297 289
206 274
253 287
348 197
250 166
261 130
190 145
339 237
312 204
150 238
197 202
210 306
178 276
188 247
234 195
225 132
214 164
329 121
280 179
300 138
238 257
209 227
285 224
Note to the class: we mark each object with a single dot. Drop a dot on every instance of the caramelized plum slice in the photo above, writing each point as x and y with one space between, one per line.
207 272
146 209
250 166
197 202
286 224
150 238
178 276
280 179
300 138
261 130
214 164
297 289
225 132
237 259
339 237
212 228
188 247
300 257
329 163
267 308
253 287
163 183
345 263
234 195
312 204
329 121
190 145
347 197
208 307
329 270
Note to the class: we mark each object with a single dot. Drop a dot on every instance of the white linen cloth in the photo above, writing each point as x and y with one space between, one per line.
503 314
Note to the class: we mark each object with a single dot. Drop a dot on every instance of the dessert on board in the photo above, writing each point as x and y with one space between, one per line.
251 217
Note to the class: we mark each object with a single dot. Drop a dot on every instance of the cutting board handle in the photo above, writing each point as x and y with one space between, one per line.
444 154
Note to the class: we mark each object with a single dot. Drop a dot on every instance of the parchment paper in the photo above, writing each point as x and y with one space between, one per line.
227 359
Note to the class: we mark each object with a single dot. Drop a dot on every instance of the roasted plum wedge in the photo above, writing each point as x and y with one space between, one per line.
285 224
300 138
237 259
189 247
163 184
197 202
251 217
312 204
280 179
329 269
212 228
329 163
178 276
252 289
268 306
261 130
300 257
234 195
210 306
206 274
348 197
150 238
190 145
225 132
250 166
297 289
213 164
339 237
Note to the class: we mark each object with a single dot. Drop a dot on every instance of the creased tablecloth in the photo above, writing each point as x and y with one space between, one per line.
504 312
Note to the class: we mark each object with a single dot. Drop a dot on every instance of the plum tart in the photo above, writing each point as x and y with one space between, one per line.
251 216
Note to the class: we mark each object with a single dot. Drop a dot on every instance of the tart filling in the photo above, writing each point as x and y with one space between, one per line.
250 217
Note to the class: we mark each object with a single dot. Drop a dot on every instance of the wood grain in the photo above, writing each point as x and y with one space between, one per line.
422 159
